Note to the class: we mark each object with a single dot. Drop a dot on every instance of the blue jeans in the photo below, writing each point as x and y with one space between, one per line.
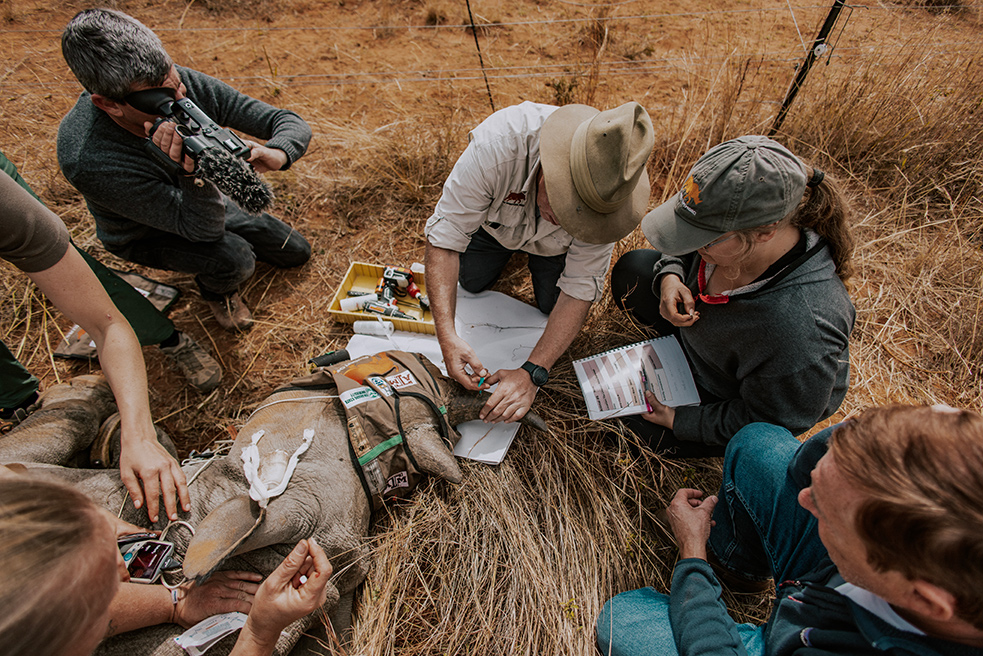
636 623
221 266
482 263
761 532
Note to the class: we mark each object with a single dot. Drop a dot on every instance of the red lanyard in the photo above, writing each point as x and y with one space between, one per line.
710 299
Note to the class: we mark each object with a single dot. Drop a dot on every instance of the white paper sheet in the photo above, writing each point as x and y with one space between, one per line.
612 381
501 330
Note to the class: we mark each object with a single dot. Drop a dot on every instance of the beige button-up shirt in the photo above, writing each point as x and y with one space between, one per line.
493 186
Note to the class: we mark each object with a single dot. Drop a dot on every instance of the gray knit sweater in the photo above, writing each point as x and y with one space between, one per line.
778 354
129 193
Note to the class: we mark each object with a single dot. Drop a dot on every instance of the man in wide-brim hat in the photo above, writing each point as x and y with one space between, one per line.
562 184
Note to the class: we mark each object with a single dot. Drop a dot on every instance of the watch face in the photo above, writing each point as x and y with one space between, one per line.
538 374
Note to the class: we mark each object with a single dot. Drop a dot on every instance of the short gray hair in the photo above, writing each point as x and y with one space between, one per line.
109 52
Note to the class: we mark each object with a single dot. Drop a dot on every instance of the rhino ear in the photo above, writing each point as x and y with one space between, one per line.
219 534
238 526
431 454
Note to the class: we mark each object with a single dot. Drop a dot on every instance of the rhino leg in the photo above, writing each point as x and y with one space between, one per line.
67 422
107 447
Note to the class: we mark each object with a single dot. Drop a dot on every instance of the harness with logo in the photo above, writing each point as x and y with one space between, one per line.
373 390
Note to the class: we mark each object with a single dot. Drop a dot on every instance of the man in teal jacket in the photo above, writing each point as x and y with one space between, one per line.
872 529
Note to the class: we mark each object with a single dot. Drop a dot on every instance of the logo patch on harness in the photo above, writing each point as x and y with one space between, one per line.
397 480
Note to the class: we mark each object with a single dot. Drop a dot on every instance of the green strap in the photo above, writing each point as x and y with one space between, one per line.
378 449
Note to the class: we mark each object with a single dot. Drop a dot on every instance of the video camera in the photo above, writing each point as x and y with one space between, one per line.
219 154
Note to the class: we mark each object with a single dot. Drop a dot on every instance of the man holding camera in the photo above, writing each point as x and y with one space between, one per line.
871 530
167 217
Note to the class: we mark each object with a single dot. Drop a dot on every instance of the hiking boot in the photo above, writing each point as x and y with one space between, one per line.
231 312
201 370
11 417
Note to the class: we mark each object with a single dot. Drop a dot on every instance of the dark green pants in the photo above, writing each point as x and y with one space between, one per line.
149 324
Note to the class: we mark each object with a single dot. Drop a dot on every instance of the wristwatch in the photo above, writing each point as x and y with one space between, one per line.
539 375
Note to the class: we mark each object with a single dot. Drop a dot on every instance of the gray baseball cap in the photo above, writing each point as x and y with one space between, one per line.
743 183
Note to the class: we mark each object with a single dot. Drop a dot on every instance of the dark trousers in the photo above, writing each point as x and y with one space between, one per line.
16 383
150 324
221 266
482 263
632 280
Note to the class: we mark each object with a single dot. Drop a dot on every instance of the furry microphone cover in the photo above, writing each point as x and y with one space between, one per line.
236 179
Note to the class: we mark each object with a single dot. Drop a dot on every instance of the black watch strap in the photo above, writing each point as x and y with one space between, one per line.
538 374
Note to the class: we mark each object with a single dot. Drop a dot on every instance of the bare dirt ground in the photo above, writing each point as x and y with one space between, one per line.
391 89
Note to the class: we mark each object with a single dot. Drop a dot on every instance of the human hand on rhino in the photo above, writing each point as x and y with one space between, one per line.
513 397
296 588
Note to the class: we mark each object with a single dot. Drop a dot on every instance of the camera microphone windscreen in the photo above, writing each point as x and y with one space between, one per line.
236 179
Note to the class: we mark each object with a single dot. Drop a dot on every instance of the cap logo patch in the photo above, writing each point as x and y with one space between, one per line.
689 195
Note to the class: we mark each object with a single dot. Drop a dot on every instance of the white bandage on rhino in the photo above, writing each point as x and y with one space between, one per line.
269 478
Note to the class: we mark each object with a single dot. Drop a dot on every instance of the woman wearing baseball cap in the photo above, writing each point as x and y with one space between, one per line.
752 255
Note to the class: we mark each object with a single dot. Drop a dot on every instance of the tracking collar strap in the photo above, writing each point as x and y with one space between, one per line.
392 441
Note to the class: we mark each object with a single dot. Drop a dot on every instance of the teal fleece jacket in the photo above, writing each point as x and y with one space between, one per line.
808 617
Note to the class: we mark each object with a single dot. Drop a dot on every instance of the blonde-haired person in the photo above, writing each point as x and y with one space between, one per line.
752 256
61 573
872 532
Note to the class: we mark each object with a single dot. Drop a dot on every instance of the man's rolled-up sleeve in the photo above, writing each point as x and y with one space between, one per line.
585 270
464 202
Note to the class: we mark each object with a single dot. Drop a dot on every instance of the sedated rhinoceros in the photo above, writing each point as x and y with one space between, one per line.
325 498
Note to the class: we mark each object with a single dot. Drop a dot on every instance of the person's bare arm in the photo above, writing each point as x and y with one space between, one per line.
443 266
146 468
515 393
138 605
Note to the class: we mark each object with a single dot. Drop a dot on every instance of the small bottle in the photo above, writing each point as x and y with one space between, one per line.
384 328
355 303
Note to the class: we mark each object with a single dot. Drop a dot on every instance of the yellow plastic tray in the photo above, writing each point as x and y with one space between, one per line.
364 277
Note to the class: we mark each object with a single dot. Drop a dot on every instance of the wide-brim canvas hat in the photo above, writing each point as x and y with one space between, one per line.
594 167
747 182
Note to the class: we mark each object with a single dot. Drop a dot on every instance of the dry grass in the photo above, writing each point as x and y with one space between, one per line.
520 557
